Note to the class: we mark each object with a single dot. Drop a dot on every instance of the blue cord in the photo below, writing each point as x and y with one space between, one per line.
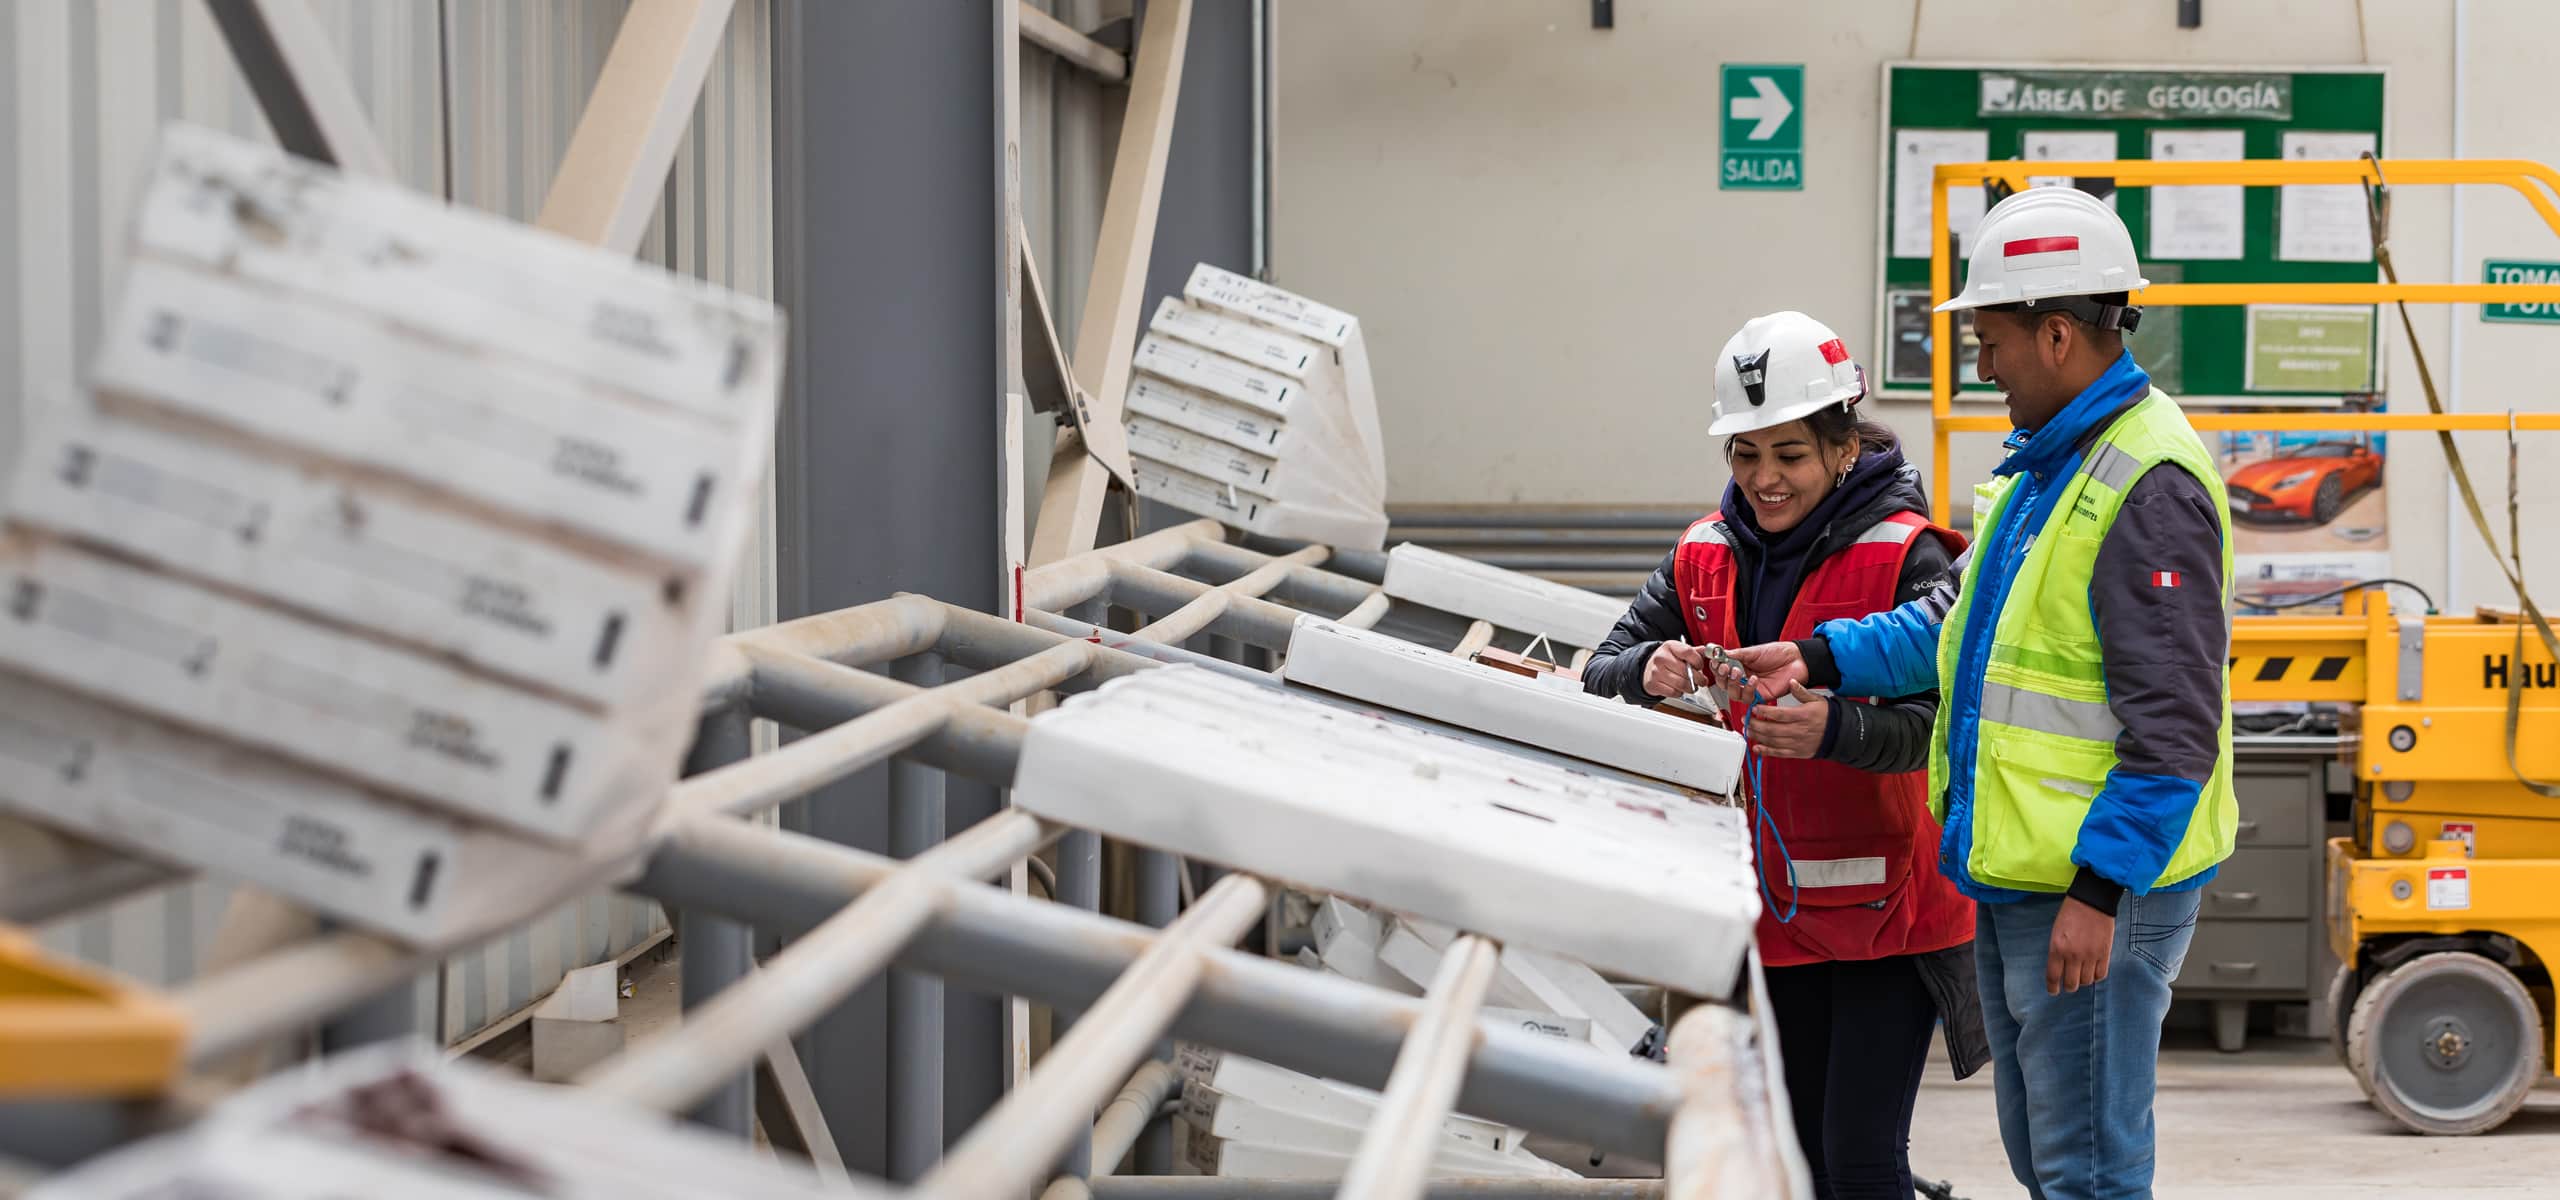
1759 817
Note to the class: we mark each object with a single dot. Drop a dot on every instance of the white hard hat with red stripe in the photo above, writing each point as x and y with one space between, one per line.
1782 367
2049 249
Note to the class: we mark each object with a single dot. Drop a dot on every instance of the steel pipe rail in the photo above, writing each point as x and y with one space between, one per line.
824 757
813 974
1058 955
1117 1129
1478 636
1395 1152
1369 612
1180 624
1064 584
1015 1145
1308 581
1156 652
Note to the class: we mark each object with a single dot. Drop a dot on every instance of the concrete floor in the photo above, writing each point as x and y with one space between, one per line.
2279 1121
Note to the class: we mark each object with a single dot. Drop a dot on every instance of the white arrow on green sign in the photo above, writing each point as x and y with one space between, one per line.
2512 271
1763 127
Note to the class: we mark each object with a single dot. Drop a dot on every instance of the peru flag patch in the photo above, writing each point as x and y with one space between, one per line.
2040 252
2164 579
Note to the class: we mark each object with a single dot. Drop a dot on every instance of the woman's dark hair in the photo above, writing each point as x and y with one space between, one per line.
1838 424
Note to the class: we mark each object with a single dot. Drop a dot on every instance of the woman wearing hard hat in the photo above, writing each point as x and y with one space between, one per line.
1867 946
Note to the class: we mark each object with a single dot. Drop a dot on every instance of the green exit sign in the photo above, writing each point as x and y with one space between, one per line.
1763 121
2498 270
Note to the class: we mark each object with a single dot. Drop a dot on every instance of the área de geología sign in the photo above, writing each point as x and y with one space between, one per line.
2153 95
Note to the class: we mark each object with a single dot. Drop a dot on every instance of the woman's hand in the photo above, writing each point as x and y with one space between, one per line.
1791 732
1674 670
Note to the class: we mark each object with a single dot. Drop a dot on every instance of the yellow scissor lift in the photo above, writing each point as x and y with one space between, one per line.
2444 904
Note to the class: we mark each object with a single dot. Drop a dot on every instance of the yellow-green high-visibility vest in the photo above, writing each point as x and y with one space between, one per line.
2046 738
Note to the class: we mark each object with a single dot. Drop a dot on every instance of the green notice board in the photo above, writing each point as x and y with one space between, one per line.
2023 112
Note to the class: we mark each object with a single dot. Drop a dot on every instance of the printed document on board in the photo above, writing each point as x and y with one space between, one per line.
2197 222
2071 145
2323 222
1916 152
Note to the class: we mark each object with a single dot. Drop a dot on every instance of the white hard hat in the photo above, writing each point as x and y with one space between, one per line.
1782 367
2047 248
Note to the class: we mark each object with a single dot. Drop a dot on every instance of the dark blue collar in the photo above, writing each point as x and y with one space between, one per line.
2046 450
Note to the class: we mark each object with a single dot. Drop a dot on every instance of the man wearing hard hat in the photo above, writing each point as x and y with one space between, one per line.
2081 759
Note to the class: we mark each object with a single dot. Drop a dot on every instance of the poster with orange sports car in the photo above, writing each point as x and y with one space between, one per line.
2307 512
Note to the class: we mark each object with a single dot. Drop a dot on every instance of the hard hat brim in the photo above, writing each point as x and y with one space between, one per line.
1774 415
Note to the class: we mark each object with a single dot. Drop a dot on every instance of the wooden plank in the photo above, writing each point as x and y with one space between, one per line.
608 182
1057 37
1071 511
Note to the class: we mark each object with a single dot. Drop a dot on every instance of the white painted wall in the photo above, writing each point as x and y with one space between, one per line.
1523 211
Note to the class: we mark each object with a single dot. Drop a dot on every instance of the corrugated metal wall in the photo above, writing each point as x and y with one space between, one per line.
91 82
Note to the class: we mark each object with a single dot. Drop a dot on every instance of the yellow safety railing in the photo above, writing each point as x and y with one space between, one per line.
2538 184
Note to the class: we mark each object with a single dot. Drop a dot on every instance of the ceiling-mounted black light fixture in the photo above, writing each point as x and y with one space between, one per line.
1604 14
2190 14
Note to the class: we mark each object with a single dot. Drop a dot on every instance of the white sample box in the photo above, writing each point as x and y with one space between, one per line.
179 797
532 446
400 1122
1254 407
369 554
1508 599
1254 1081
1646 882
1394 673
336 701
464 279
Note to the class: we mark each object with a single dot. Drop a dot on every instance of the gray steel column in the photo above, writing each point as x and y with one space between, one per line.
1080 885
892 252
915 1000
717 951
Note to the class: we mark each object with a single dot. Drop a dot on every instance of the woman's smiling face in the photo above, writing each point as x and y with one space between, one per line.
1784 471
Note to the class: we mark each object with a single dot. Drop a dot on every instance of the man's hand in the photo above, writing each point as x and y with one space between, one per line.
1773 669
1791 732
2082 939
1672 669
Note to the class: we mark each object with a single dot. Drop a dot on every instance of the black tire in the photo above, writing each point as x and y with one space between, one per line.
2342 1004
2447 1044
2326 502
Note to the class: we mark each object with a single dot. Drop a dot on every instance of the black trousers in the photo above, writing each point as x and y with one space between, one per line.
1855 1037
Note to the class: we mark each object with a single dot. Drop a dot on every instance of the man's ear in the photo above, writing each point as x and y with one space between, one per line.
2054 338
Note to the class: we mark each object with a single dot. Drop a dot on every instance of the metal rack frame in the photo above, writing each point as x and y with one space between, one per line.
850 915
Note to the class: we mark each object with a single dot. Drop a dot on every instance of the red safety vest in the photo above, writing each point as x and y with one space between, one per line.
1863 846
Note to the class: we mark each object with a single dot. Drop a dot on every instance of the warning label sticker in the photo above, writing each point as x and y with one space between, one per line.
2462 831
2448 887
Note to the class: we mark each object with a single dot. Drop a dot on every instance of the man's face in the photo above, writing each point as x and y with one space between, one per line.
2023 354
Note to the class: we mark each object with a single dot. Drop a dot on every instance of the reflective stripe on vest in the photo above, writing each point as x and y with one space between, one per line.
2090 720
2044 730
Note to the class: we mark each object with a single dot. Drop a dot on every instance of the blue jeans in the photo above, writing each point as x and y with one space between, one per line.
2074 1073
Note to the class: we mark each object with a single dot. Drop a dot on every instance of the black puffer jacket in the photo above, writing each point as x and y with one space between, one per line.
1888 737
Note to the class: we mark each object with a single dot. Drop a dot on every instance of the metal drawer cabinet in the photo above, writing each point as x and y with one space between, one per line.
2269 956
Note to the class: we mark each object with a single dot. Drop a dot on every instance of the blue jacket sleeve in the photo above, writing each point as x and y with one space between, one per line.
1891 653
